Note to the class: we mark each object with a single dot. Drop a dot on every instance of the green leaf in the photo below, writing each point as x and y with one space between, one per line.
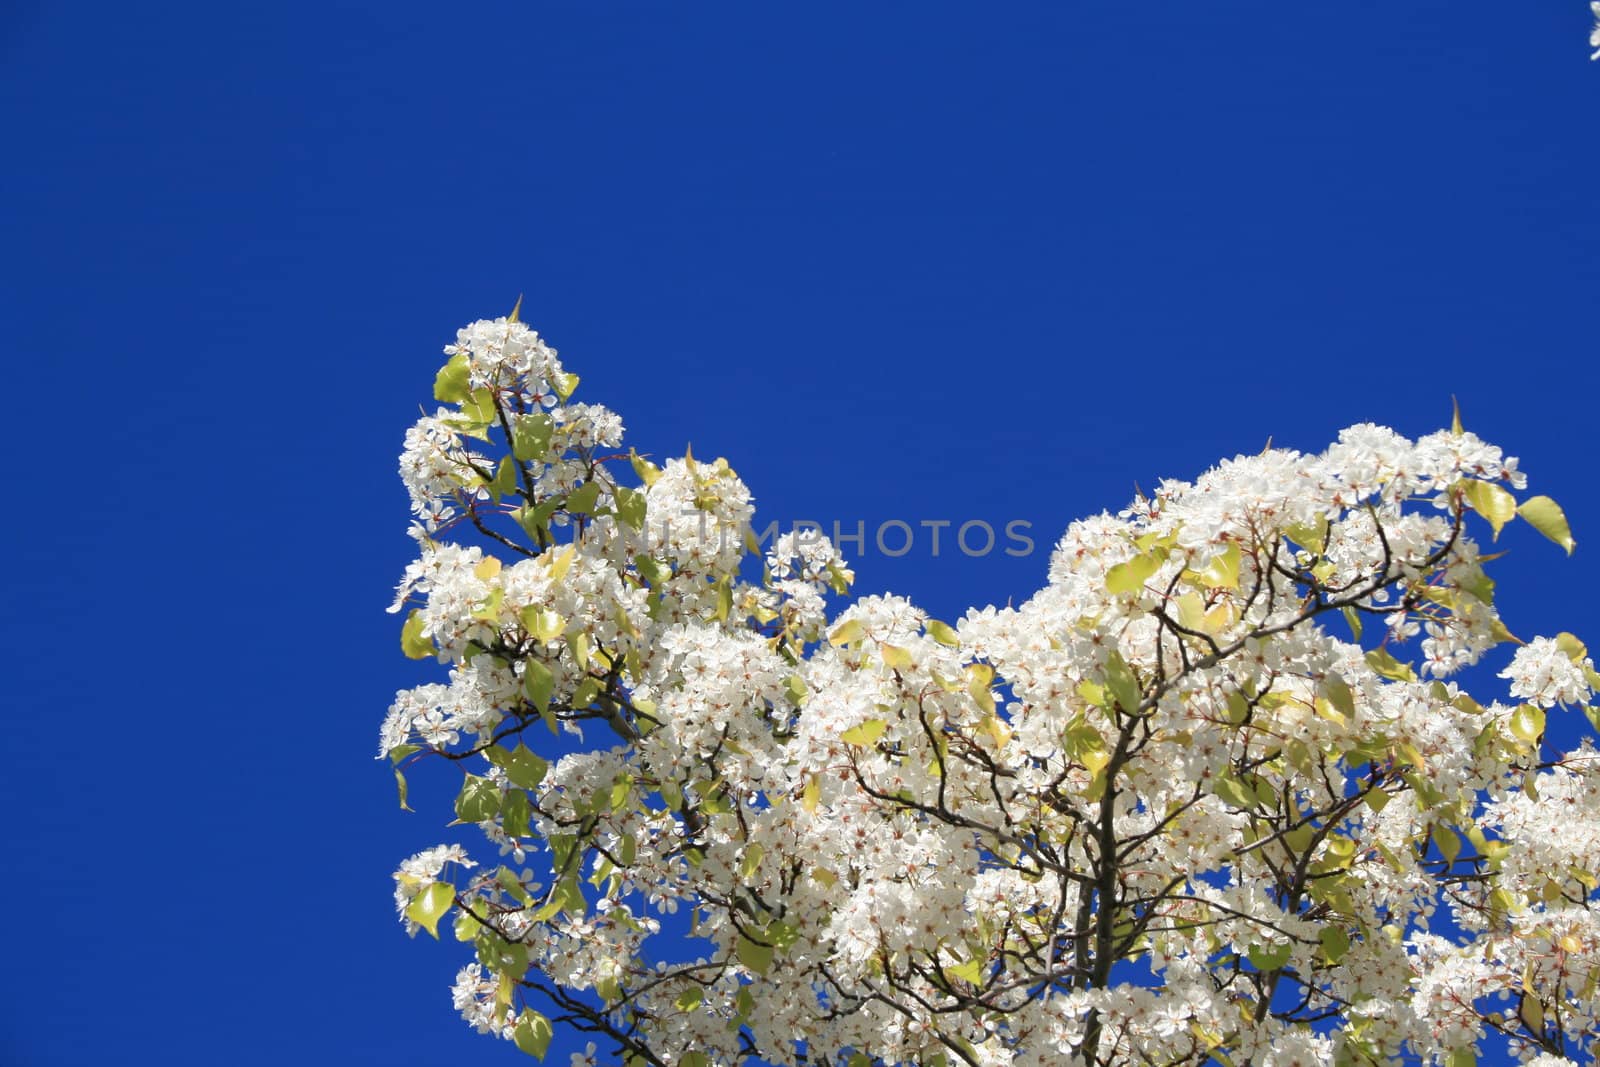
466 927
1527 723
412 643
538 682
514 814
1479 586
942 633
450 384
754 956
648 472
631 507
582 500
895 657
478 800
524 767
505 479
400 781
1448 843
971 972
530 436
651 569
507 879
565 384
1233 791
1121 681
1223 570
480 407
1335 943
1548 518
1493 503
1270 957
1352 618
1130 576
1339 695
866 733
690 998
846 633
1389 667
533 1033
542 624
750 862
1455 416
429 906
1574 648
400 752
535 520
979 677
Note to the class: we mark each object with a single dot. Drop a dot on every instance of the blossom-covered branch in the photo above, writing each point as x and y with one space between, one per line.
1213 794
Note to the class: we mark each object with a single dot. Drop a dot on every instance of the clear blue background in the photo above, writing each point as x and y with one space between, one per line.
895 260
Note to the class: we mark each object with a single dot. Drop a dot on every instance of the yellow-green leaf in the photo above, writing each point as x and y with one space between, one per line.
1339 695
538 682
648 472
479 799
942 633
866 733
1270 957
1223 570
1574 648
1233 791
1493 503
1335 943
1548 518
542 624
979 678
631 507
530 436
1389 667
750 862
561 562
533 1033
1121 681
429 906
565 384
970 972
412 642
1448 842
846 633
450 385
756 957
1527 723
1130 576
582 500
895 657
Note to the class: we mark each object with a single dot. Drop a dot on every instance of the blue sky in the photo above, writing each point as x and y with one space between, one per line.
932 261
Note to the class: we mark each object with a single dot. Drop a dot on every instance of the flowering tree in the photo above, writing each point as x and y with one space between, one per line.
1207 797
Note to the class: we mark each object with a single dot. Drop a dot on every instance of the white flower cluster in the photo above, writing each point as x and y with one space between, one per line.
1546 674
1206 795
